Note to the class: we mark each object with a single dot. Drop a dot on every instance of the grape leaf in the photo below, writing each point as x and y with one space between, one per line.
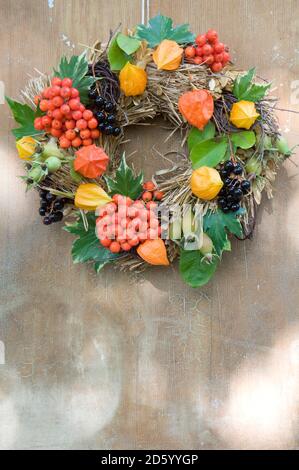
159 28
196 136
208 152
127 44
23 115
25 131
217 224
227 246
195 270
256 92
76 68
98 265
125 182
87 246
116 56
245 139
242 83
244 89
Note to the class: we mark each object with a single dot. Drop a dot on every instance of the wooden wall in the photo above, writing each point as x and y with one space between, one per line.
104 362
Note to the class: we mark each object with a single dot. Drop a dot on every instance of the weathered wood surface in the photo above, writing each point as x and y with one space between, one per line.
99 362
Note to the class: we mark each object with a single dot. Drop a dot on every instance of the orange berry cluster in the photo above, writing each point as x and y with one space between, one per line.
123 223
66 117
208 50
151 192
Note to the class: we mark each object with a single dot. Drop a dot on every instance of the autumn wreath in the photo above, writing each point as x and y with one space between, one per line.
72 124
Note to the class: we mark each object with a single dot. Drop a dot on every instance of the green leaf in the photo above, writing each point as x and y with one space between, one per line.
244 89
159 28
196 136
217 224
116 56
195 270
87 246
23 115
181 34
227 246
98 266
24 131
256 92
208 153
242 83
228 153
127 44
125 182
76 68
245 139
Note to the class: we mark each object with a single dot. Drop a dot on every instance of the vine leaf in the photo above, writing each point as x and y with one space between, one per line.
98 265
256 92
242 83
87 247
244 89
125 182
195 269
160 27
208 152
76 68
218 224
23 115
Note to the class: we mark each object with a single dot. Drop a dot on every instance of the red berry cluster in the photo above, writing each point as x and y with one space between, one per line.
151 192
123 223
66 117
208 50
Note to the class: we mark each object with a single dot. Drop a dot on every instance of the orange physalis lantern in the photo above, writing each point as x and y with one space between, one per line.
153 252
243 114
91 161
168 55
197 107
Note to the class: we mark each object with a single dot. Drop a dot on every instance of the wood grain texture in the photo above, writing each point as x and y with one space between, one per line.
110 363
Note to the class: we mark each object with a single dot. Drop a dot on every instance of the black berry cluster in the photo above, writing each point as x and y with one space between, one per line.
105 113
51 207
234 187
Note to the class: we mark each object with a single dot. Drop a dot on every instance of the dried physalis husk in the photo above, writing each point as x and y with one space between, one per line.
144 55
132 80
206 183
243 114
197 107
168 55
